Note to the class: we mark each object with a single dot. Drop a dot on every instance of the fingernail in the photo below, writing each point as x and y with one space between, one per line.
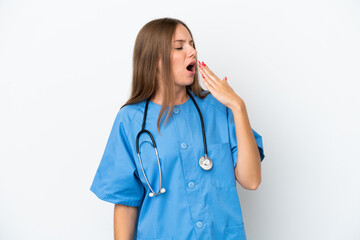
202 75
226 78
203 64
199 64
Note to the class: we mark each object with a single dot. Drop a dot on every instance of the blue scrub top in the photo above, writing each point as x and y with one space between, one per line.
197 204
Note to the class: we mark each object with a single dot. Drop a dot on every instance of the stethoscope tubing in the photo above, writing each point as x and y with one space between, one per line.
202 122
143 130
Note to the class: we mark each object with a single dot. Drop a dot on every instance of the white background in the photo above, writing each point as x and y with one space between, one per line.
65 70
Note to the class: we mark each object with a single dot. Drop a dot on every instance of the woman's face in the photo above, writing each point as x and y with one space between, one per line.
183 54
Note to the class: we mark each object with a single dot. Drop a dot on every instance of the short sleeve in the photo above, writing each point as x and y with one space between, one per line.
233 142
115 180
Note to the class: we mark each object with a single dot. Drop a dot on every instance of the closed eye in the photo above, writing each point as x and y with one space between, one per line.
179 48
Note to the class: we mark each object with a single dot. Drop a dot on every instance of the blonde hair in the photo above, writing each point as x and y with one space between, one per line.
153 43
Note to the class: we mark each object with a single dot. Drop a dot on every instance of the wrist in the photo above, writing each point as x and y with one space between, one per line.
238 105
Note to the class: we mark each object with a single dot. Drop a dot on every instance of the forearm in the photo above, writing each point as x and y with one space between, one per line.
248 166
124 222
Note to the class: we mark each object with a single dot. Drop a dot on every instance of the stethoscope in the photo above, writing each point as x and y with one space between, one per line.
204 161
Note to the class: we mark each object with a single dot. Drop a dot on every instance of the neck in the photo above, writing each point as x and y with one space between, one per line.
181 96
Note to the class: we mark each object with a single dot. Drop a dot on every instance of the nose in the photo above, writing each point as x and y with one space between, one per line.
192 52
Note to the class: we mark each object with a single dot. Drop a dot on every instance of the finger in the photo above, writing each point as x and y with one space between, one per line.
207 68
203 70
210 80
200 67
213 77
206 81
208 86
209 72
208 77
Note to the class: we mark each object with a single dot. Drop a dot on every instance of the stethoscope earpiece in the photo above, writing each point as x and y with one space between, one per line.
154 194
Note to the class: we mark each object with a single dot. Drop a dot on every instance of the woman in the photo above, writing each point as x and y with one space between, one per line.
189 190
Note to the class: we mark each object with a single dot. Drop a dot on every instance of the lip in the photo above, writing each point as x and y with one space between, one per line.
192 62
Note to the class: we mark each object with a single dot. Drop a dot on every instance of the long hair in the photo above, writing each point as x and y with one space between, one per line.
153 43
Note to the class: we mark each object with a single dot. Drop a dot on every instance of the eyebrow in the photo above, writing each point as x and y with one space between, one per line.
182 40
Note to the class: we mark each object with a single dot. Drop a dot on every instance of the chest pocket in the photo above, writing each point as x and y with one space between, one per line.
222 173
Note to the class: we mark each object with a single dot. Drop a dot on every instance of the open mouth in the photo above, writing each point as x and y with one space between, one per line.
191 67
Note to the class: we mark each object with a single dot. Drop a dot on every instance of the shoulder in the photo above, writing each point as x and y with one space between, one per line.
128 114
211 101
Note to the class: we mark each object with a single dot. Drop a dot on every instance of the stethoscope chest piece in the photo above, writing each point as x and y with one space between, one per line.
205 163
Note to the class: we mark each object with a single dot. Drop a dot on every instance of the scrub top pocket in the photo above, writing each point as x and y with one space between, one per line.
235 233
223 172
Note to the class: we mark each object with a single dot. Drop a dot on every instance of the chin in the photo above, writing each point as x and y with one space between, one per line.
185 83
192 79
